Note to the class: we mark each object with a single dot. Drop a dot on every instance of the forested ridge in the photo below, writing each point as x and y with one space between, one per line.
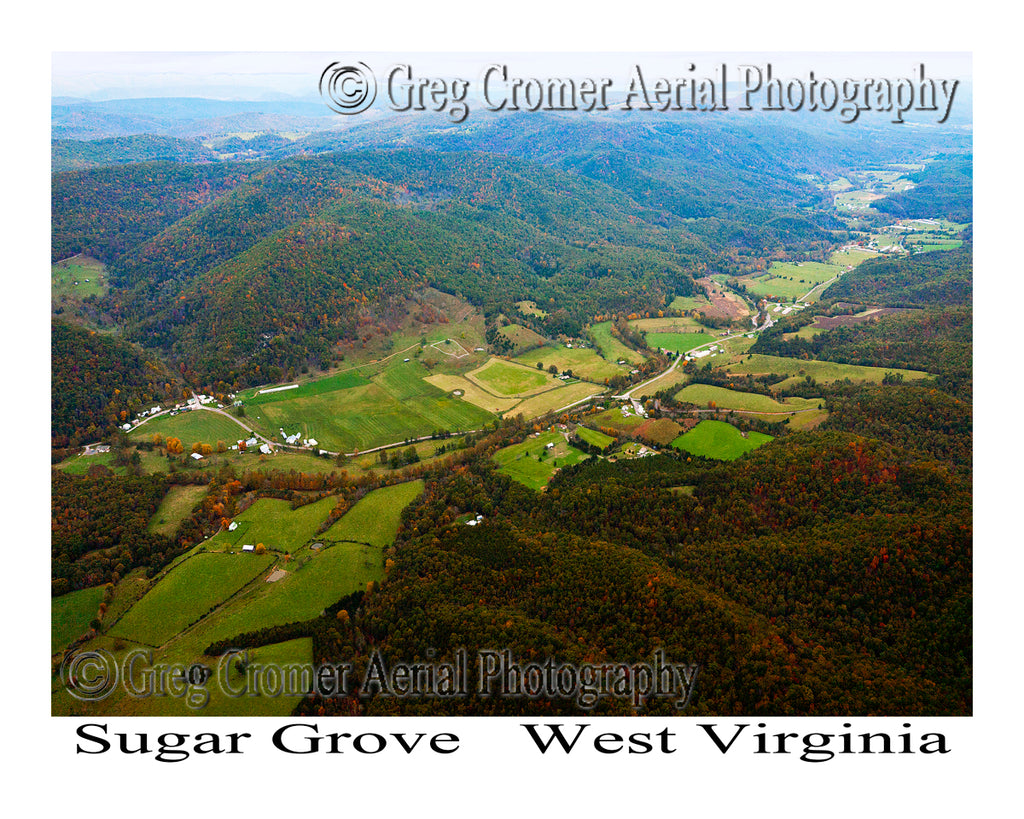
827 572
829 575
536 216
97 383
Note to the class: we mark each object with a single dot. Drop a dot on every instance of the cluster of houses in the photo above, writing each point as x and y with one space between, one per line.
252 443
713 350
635 406
297 439
191 404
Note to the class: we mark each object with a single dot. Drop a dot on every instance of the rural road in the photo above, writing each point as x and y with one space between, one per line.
675 364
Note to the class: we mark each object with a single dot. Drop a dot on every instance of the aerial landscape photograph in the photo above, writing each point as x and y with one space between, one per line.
514 384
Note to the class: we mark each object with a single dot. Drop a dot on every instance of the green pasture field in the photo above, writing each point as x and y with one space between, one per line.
175 507
275 524
719 440
611 348
702 394
507 379
583 361
70 615
296 653
614 419
394 406
79 464
595 438
374 519
63 276
473 393
856 197
282 460
941 225
530 308
678 342
197 426
823 371
339 381
801 420
670 324
808 331
453 348
791 280
672 379
555 399
532 464
187 593
850 257
682 303
925 244
127 593
314 580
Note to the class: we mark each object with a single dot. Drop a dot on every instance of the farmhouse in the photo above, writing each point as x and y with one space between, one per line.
265 449
196 456
249 547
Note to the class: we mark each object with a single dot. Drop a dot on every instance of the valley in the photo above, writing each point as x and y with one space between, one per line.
432 390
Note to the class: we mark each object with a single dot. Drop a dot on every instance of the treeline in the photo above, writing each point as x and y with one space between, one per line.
71 154
921 280
244 276
936 341
99 529
908 416
105 212
830 575
97 383
944 188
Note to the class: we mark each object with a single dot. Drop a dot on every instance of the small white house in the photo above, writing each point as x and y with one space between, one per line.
233 526
196 456
249 547
265 449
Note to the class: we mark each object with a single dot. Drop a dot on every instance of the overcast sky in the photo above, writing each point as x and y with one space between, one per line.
241 75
